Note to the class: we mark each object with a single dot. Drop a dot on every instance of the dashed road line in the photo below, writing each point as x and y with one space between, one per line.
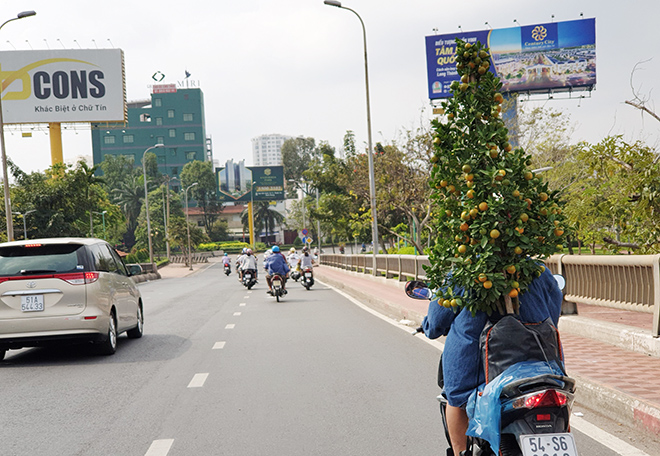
219 345
237 314
230 326
243 304
160 447
246 297
198 381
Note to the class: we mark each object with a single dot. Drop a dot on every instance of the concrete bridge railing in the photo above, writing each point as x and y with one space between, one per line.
627 282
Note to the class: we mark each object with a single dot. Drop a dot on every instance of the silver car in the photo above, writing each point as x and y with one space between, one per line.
66 290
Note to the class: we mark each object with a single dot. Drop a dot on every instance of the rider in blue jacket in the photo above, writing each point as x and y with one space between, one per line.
461 358
276 264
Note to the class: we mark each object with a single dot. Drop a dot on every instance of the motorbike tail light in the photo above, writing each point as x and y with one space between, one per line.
543 417
546 398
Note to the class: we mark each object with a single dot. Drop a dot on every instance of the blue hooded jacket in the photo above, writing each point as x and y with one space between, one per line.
277 264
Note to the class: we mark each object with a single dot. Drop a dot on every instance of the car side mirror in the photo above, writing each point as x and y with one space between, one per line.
418 290
134 269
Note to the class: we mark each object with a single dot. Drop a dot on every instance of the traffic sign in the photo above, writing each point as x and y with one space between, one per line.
309 240
304 231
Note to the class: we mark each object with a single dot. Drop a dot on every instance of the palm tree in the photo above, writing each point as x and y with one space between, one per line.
130 195
89 179
265 218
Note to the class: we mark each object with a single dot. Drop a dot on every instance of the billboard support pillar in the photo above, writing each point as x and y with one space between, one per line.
250 215
55 132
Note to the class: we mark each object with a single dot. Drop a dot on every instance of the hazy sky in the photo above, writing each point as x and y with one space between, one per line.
295 67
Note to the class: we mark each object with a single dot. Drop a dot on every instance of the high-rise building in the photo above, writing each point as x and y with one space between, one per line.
267 149
173 117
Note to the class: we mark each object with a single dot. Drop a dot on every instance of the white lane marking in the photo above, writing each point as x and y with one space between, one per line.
198 381
230 326
219 345
242 304
160 447
249 291
237 314
246 297
606 439
592 431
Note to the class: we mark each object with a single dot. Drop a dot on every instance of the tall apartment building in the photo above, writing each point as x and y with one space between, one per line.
267 149
173 117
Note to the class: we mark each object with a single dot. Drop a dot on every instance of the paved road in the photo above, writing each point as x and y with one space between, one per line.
224 371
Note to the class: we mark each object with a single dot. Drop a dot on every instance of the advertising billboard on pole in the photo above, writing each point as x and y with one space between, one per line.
556 56
65 85
234 185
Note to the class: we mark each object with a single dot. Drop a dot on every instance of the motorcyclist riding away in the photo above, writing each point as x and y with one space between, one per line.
292 258
276 264
461 358
249 262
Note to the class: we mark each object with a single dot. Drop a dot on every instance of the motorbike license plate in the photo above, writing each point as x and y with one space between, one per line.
548 445
248 276
32 303
308 274
277 283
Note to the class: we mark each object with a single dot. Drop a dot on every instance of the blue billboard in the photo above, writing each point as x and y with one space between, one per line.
557 56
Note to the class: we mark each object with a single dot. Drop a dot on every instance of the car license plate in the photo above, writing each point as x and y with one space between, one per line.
308 274
548 445
32 303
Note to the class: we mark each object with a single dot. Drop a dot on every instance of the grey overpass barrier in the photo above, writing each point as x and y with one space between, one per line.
627 282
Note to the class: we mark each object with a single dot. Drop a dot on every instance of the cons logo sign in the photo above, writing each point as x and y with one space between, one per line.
63 85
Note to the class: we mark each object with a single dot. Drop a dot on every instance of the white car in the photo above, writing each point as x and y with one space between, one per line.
63 290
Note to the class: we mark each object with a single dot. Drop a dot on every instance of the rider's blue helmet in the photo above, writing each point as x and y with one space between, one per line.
275 249
225 253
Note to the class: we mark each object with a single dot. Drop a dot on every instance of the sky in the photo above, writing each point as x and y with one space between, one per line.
296 67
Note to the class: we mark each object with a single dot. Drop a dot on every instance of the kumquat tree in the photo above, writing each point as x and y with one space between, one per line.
493 212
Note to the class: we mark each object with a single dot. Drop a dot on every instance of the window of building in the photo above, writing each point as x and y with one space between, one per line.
110 139
170 113
159 121
187 117
175 171
190 155
129 139
172 132
158 102
145 117
161 159
160 139
173 152
189 136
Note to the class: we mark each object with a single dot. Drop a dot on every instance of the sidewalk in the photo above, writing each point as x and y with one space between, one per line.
609 352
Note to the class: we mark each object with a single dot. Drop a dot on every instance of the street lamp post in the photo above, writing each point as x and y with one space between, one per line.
146 202
5 177
167 215
188 224
24 224
372 183
102 214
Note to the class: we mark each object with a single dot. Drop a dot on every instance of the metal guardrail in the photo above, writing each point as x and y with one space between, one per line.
627 282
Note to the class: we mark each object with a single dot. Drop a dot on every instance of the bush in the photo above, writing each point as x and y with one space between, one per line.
297 242
229 246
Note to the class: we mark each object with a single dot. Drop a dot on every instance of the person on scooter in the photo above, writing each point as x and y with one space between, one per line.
276 264
292 258
249 262
306 260
226 261
461 359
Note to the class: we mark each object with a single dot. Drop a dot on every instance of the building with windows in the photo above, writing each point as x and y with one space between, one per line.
267 149
173 117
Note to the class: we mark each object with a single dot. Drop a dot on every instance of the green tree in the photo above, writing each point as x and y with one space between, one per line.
205 192
297 153
266 218
493 212
129 196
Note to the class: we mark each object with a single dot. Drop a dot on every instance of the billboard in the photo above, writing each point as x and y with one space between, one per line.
66 85
557 56
237 185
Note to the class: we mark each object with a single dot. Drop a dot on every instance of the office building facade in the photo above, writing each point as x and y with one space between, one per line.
172 117
267 149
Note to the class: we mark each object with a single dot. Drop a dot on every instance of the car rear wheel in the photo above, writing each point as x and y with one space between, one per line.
136 332
109 346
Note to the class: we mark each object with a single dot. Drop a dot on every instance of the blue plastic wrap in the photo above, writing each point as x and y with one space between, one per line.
484 410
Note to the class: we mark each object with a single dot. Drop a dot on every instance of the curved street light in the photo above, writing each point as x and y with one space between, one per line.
372 182
24 215
102 214
146 202
5 183
188 224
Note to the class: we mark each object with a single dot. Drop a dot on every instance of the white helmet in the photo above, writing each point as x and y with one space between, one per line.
292 250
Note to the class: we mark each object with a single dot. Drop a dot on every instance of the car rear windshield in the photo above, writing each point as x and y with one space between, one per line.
40 259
